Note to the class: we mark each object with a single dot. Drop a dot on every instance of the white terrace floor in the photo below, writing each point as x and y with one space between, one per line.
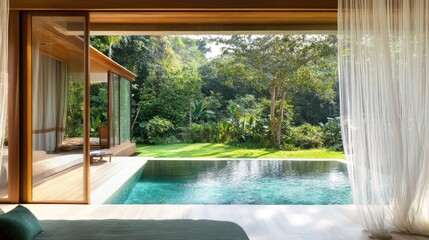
261 222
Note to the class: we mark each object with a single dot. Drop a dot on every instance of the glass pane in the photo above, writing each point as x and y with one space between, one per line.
125 112
114 102
99 119
110 121
58 108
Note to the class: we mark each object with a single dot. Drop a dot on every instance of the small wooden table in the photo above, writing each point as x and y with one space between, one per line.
99 154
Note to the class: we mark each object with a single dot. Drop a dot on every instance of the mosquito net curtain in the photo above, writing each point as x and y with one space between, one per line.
384 88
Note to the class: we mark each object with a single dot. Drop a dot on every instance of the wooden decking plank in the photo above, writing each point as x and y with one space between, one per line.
68 185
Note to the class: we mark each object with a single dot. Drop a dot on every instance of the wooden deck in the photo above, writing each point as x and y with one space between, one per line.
105 178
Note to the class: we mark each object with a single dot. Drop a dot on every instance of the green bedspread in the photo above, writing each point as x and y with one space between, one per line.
141 229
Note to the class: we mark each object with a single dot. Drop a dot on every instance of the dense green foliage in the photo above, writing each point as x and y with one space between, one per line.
332 133
158 129
282 65
218 150
98 103
260 92
75 107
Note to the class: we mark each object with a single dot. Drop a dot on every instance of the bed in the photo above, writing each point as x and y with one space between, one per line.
141 229
21 224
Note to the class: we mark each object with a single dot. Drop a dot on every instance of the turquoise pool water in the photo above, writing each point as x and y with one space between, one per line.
238 182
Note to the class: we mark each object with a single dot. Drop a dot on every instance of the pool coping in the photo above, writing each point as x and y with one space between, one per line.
104 192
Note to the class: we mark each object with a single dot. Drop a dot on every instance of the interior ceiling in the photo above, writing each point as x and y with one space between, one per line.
56 41
175 5
165 17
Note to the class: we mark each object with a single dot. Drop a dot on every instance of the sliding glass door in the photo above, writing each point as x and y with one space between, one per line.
59 82
120 110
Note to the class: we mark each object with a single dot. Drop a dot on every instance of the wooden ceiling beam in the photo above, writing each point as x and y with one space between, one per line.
126 23
307 17
182 29
174 5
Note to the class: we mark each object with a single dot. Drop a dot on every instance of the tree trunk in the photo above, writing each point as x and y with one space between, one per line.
190 112
276 117
137 115
273 118
110 49
280 118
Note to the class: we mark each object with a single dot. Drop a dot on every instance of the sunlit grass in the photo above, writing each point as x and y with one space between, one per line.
211 150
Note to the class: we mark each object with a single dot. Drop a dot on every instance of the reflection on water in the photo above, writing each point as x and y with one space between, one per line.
249 168
242 182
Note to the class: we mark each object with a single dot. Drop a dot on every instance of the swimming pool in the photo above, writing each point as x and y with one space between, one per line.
238 182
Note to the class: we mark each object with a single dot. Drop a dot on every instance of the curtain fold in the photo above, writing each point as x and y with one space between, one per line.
49 102
4 25
383 48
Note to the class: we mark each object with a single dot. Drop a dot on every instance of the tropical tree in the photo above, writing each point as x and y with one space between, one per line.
225 76
105 44
282 64
112 41
173 81
259 88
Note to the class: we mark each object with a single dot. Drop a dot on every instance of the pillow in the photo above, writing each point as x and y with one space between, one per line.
19 224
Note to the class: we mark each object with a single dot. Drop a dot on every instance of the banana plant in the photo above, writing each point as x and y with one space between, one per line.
200 111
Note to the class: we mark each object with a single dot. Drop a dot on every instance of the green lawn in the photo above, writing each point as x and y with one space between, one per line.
211 150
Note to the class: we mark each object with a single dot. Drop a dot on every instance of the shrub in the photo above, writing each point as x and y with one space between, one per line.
165 140
199 133
306 136
225 132
332 133
251 144
255 133
288 147
158 128
95 126
139 132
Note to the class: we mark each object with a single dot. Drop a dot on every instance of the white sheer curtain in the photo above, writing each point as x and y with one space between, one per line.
49 101
384 88
4 25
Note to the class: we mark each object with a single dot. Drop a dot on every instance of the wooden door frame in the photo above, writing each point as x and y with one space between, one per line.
19 182
26 178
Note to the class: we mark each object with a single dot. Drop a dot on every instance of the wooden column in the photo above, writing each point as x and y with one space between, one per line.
13 108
